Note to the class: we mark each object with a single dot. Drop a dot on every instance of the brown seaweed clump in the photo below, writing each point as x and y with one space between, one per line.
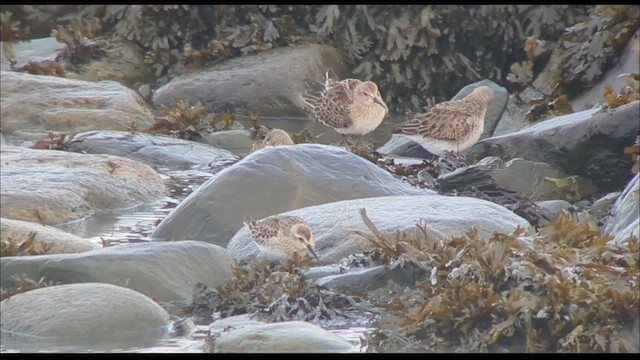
275 292
564 289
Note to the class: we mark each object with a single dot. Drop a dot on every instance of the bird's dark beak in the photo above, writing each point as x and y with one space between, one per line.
380 102
313 252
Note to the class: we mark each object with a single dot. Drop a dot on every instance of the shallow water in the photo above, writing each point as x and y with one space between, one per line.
138 223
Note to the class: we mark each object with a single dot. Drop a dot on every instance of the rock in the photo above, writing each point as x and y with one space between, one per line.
38 50
164 271
54 187
237 141
626 63
267 83
274 180
600 207
532 180
47 240
290 336
334 224
361 280
87 316
587 143
551 208
34 105
122 62
156 151
399 145
624 220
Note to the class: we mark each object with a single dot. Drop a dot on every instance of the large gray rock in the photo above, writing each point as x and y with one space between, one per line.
34 105
333 224
399 145
587 143
290 336
54 187
625 213
533 180
274 180
154 150
164 271
82 317
53 240
267 83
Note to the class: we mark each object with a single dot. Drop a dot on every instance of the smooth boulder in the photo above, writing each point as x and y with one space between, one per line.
267 83
54 187
334 224
34 105
274 180
164 271
81 316
289 336
154 150
47 239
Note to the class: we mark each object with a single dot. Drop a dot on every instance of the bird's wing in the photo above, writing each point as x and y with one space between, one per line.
446 121
267 228
337 100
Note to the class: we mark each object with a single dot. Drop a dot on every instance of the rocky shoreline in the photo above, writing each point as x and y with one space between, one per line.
492 251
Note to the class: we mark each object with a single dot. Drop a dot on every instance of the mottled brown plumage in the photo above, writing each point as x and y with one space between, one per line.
279 236
450 125
274 137
349 106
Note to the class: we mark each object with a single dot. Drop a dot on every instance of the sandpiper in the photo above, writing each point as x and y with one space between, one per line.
451 126
279 236
274 137
350 106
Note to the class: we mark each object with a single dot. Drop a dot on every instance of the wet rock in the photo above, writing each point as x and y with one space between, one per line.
334 224
399 145
267 83
587 143
532 180
551 208
357 280
600 207
86 316
237 141
47 240
37 50
33 105
290 336
274 180
154 150
624 220
164 271
54 187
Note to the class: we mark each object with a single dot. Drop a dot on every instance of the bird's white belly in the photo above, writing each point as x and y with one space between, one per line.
436 147
362 127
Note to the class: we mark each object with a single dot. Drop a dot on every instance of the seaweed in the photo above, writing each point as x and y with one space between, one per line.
273 292
182 121
562 289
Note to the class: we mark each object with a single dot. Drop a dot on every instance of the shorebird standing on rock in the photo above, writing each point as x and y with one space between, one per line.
451 126
350 106
280 236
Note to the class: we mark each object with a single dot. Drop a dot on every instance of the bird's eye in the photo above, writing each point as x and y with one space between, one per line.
301 238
